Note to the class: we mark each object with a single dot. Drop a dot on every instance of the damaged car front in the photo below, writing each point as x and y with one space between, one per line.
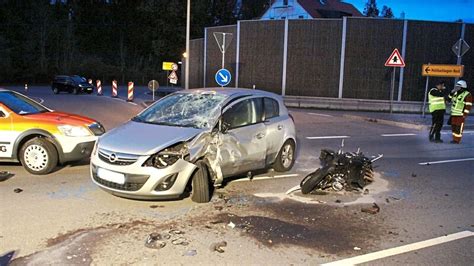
179 144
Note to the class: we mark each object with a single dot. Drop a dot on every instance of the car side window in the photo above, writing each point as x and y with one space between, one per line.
271 108
247 112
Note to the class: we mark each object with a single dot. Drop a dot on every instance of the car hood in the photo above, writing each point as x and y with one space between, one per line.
60 118
144 139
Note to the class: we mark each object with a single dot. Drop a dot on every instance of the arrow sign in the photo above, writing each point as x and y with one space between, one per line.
223 77
395 59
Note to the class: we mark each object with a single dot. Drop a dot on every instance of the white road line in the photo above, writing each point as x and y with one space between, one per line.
132 103
329 137
263 178
400 250
320 114
293 189
398 135
447 161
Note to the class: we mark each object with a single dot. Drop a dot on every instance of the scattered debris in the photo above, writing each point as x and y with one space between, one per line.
393 233
219 208
219 246
357 248
366 191
391 198
18 190
446 195
413 175
338 201
176 232
374 209
156 206
5 175
231 225
190 253
180 241
152 241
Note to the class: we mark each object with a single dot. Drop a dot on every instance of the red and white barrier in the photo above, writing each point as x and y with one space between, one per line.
99 87
130 92
114 89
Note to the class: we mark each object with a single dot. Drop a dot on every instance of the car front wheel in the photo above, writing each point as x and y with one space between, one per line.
286 157
201 189
75 91
38 156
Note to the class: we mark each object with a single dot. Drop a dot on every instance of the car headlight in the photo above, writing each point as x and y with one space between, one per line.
74 131
168 156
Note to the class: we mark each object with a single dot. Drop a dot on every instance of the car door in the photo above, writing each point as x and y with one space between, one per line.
7 135
243 145
274 128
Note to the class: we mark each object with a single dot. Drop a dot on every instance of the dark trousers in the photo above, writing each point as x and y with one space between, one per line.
437 119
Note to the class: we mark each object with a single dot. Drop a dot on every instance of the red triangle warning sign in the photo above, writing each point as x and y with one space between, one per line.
395 59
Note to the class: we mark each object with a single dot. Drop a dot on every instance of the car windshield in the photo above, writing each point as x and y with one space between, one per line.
198 110
78 79
20 104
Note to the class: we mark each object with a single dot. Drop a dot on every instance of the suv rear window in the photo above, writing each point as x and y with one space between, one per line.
20 104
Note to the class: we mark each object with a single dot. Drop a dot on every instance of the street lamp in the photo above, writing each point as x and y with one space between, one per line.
186 66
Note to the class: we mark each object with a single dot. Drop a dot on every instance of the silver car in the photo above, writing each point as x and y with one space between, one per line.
191 140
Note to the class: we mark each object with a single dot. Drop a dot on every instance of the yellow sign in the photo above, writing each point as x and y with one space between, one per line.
168 65
447 71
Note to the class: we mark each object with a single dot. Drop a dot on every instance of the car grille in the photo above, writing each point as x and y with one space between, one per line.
128 186
117 158
97 129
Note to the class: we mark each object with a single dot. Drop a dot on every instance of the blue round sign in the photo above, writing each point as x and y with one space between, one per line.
223 77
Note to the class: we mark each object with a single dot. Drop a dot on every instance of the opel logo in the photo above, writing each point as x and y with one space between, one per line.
112 157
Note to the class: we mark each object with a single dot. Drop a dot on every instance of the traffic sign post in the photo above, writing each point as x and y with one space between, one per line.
394 60
223 40
153 85
223 77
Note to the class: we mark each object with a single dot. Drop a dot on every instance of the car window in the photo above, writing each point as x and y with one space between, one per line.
20 104
271 108
244 113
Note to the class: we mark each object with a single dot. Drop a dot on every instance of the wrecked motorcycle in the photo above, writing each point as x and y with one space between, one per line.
340 170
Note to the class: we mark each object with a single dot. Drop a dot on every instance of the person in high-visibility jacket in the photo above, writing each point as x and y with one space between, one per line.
461 106
436 99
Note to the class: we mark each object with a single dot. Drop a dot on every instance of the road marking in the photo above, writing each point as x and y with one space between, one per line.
125 101
293 189
132 103
263 178
329 137
398 135
400 250
447 161
320 114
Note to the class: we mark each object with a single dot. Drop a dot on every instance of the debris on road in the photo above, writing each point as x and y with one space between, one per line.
350 171
391 198
5 175
190 253
180 241
219 246
231 225
153 241
18 190
366 191
156 206
374 209
357 248
413 175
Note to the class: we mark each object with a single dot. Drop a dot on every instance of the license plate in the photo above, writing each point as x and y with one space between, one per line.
108 175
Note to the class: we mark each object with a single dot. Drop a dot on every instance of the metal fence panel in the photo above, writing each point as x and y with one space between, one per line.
214 55
314 49
369 42
196 61
261 54
427 42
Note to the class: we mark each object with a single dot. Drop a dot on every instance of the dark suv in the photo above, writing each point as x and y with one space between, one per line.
72 84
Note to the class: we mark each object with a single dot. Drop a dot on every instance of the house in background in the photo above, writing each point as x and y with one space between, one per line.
307 9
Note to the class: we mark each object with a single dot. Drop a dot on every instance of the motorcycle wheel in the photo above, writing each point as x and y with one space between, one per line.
312 181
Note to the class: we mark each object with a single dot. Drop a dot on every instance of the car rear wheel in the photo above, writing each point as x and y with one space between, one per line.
201 189
38 156
55 90
286 157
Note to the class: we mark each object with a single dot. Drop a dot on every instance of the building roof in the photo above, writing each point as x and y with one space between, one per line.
331 8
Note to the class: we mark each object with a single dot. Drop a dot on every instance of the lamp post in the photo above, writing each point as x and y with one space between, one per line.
186 66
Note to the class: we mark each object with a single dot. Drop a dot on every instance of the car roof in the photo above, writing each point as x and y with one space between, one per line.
233 92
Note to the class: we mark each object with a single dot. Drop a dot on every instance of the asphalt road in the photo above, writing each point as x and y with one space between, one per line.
418 202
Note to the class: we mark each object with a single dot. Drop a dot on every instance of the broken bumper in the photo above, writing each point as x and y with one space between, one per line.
138 182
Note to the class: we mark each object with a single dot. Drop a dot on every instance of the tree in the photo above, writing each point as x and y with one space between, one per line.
371 9
387 12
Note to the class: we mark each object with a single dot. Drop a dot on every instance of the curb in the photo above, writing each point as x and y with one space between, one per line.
387 122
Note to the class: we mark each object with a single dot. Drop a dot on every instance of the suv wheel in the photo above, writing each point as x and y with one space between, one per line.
286 157
75 91
38 156
55 90
201 190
